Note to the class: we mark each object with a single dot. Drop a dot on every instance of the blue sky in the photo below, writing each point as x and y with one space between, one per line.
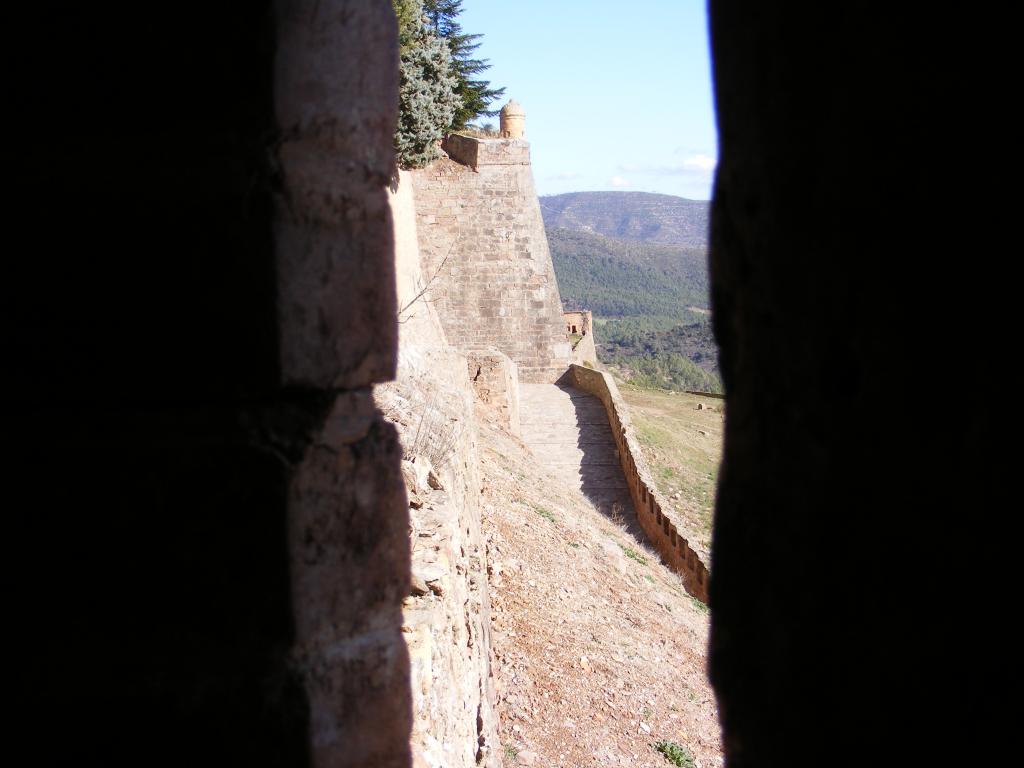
617 94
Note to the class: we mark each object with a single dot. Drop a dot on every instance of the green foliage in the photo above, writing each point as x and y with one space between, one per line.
428 97
665 371
475 94
623 278
675 753
661 353
632 554
701 607
641 294
547 514
407 13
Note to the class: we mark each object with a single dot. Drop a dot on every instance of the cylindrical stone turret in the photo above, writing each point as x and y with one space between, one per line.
513 120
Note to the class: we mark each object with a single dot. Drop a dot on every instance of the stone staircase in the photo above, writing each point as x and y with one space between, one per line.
567 430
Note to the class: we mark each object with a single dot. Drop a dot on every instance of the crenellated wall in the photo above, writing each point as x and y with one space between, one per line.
486 255
674 549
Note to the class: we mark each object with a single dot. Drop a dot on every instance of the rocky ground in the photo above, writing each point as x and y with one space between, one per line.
600 654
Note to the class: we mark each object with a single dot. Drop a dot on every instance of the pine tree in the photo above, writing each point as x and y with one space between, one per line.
475 94
428 90
409 14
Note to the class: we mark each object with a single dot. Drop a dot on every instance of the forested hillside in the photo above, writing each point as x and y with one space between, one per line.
640 216
650 304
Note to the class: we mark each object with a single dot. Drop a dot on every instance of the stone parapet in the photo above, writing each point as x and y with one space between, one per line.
495 381
476 152
674 549
579 327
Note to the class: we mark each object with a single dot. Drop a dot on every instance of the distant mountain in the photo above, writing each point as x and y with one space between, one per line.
624 278
642 216
639 262
649 303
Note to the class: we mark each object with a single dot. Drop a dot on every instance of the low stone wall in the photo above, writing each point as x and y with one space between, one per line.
476 152
674 548
719 395
495 381
579 325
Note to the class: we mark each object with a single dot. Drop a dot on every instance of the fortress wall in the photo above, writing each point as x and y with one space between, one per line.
584 350
446 614
583 323
495 380
483 245
674 549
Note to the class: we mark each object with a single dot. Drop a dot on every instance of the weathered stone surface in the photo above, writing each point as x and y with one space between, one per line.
483 245
350 567
495 381
199 384
448 630
579 325
475 152
334 238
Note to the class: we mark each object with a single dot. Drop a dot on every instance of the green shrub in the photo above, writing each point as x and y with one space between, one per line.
699 605
547 514
675 753
632 554
427 95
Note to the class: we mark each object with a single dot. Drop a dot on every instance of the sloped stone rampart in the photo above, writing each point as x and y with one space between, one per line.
486 257
446 618
670 544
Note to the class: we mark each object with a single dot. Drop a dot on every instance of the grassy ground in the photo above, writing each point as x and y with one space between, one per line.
683 448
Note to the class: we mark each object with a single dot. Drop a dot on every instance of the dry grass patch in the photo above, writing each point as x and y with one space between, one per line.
681 437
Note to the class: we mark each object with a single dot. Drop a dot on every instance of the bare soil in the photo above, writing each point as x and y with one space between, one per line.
600 653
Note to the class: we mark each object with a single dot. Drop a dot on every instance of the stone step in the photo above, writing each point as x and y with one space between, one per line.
547 433
595 453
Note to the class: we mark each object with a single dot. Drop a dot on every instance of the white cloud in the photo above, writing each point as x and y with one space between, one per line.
700 161
618 182
569 176
696 164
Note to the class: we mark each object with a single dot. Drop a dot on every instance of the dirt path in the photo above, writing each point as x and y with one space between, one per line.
599 651
567 430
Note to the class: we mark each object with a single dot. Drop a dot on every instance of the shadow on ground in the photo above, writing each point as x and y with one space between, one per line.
567 430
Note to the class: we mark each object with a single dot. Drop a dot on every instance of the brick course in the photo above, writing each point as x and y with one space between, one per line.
480 231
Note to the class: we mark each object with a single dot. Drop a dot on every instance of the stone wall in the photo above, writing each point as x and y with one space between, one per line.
496 382
347 514
446 617
476 152
660 529
581 324
484 248
213 545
